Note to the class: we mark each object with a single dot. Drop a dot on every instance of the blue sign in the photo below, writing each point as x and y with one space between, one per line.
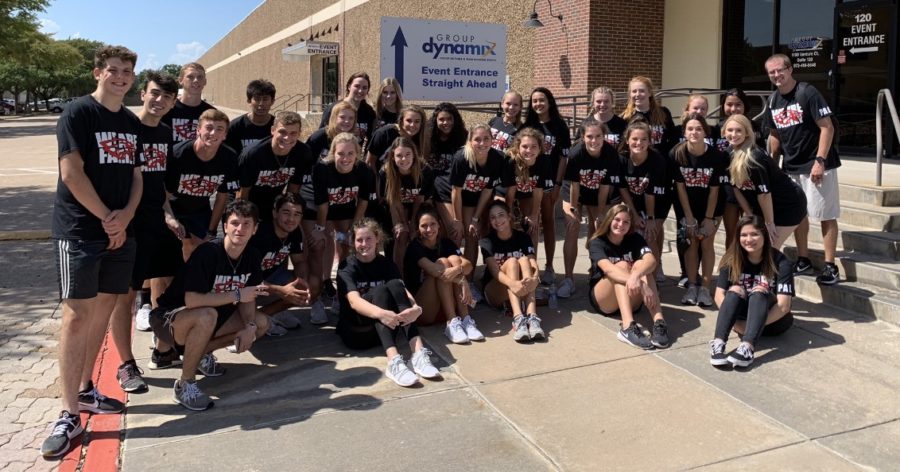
444 60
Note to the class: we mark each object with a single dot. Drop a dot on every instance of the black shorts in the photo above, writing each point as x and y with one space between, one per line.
158 255
86 268
442 189
596 306
196 223
161 319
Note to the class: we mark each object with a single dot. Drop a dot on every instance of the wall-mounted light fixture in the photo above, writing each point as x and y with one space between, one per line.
534 22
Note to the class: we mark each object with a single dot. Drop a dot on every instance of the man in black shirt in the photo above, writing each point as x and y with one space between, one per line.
803 133
184 118
97 193
157 233
257 123
211 304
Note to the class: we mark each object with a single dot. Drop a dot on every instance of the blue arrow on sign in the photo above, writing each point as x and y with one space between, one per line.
398 44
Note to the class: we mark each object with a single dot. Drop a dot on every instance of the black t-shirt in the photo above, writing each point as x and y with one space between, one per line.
616 126
442 156
632 249
387 118
210 270
592 172
354 275
539 176
318 143
381 141
242 132
413 275
473 181
192 181
517 246
556 142
267 175
342 192
108 144
155 148
501 133
365 120
699 174
663 136
273 249
794 115
651 177
781 284
788 199
184 120
409 190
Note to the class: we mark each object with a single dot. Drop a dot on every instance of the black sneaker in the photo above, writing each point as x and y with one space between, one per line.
803 266
829 274
65 429
129 377
164 360
90 399
328 288
634 335
660 334
717 355
742 356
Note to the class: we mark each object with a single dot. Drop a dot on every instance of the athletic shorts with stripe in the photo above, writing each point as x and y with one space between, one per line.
86 268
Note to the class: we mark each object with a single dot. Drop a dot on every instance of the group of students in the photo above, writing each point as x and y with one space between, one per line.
405 200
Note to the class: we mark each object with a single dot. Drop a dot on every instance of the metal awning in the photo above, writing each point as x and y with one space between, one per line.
305 49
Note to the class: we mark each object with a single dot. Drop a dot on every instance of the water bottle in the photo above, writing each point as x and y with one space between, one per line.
552 301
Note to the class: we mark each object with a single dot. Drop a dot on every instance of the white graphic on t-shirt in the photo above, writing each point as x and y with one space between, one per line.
154 157
408 195
197 185
275 178
500 139
475 183
342 195
549 143
637 185
696 177
248 142
440 162
184 129
228 283
788 116
274 259
749 281
528 185
116 148
591 178
363 287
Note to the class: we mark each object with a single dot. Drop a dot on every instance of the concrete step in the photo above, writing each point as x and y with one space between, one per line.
854 297
857 267
866 215
870 194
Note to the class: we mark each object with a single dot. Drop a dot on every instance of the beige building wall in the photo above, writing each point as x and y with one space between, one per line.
243 55
693 49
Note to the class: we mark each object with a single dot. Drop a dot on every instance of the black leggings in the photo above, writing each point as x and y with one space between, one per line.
390 296
754 308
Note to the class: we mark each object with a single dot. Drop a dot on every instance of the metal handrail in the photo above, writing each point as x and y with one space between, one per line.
883 95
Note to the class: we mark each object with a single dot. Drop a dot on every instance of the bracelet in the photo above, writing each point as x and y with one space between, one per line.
237 295
474 219
319 228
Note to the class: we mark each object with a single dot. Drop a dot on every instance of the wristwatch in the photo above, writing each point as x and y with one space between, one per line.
820 160
318 228
237 295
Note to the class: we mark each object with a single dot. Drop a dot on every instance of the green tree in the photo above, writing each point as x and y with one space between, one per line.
53 66
18 25
81 79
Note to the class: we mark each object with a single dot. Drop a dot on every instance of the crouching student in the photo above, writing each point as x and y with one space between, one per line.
377 308
511 273
434 269
622 281
754 293
211 304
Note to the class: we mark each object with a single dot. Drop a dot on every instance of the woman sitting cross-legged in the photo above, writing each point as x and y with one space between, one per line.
754 293
377 308
435 271
511 272
622 281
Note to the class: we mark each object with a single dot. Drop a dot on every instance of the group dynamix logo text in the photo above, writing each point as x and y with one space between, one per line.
457 45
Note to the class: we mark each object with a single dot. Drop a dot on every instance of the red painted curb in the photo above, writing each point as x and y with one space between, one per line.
105 430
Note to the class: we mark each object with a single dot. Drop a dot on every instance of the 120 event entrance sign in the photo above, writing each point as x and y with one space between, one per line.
444 60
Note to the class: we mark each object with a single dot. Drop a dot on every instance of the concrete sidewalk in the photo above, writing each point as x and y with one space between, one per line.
821 397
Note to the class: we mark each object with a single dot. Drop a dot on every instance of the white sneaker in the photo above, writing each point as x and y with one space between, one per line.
548 276
421 363
703 297
477 296
472 332
399 373
455 331
286 319
276 330
317 315
690 298
142 318
566 288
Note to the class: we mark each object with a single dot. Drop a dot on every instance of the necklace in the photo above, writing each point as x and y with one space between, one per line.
234 267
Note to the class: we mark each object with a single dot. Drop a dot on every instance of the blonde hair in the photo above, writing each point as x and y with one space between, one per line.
742 156
342 138
371 225
522 171
603 227
687 104
331 130
657 117
468 150
518 120
606 91
190 65
379 106
392 174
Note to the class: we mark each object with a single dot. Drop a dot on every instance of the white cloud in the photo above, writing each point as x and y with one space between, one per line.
48 26
187 52
147 61
75 35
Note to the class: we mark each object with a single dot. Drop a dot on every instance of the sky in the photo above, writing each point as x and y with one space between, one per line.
160 32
